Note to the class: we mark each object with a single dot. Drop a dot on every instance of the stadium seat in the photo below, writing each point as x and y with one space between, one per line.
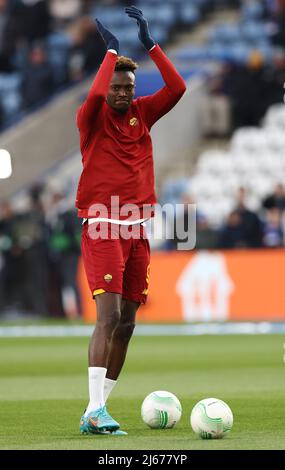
189 14
173 189
275 139
214 161
218 52
263 185
275 116
239 52
192 53
10 93
224 32
252 10
110 16
205 186
252 31
215 210
249 139
58 46
167 15
230 184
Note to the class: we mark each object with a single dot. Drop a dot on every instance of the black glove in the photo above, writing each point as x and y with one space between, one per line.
110 40
144 34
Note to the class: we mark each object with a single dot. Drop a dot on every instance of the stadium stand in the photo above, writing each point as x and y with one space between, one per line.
236 185
64 33
70 47
257 28
240 177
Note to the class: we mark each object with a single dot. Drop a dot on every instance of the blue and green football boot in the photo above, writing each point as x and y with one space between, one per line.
98 422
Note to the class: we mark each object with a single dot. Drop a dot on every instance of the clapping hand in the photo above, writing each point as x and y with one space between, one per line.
110 40
144 34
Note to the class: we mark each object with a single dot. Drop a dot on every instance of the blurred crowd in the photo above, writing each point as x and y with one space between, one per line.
44 46
48 44
243 227
39 255
244 89
40 247
241 94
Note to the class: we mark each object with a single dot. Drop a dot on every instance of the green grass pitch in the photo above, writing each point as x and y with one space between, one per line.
43 391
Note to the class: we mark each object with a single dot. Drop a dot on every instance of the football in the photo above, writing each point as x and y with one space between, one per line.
161 410
211 418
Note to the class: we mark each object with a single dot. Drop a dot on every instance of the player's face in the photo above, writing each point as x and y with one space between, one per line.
121 91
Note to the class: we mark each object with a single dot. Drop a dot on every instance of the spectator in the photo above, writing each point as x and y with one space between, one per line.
9 268
272 228
64 247
276 199
232 234
217 106
247 92
278 18
206 236
250 222
7 37
275 79
87 49
64 12
24 260
37 78
32 20
31 236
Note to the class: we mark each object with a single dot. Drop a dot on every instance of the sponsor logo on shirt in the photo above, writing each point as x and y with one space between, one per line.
108 277
133 121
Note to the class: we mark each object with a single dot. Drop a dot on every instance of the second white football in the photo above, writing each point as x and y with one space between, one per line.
161 409
211 418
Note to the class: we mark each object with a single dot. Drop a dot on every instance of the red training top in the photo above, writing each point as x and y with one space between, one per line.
116 148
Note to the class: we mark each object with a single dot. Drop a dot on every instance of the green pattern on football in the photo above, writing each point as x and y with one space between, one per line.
161 410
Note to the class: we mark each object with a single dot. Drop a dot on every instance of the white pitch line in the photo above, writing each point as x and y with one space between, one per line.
147 330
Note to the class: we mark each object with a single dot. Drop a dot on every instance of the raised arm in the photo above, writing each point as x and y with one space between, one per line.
166 98
89 110
158 104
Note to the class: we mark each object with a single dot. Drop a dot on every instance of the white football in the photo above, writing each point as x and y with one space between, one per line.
211 418
161 410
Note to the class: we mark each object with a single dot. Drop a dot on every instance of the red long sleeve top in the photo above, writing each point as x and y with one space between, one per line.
116 148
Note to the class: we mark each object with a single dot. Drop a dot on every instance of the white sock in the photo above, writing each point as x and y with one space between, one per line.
96 377
109 384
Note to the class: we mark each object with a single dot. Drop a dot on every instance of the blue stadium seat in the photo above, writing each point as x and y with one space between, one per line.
163 14
192 53
267 51
252 10
10 93
218 52
173 189
239 53
167 15
253 31
126 30
225 32
110 16
189 14
159 33
58 45
127 36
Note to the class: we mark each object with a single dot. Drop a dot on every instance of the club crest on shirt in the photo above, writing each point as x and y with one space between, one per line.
134 121
108 277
